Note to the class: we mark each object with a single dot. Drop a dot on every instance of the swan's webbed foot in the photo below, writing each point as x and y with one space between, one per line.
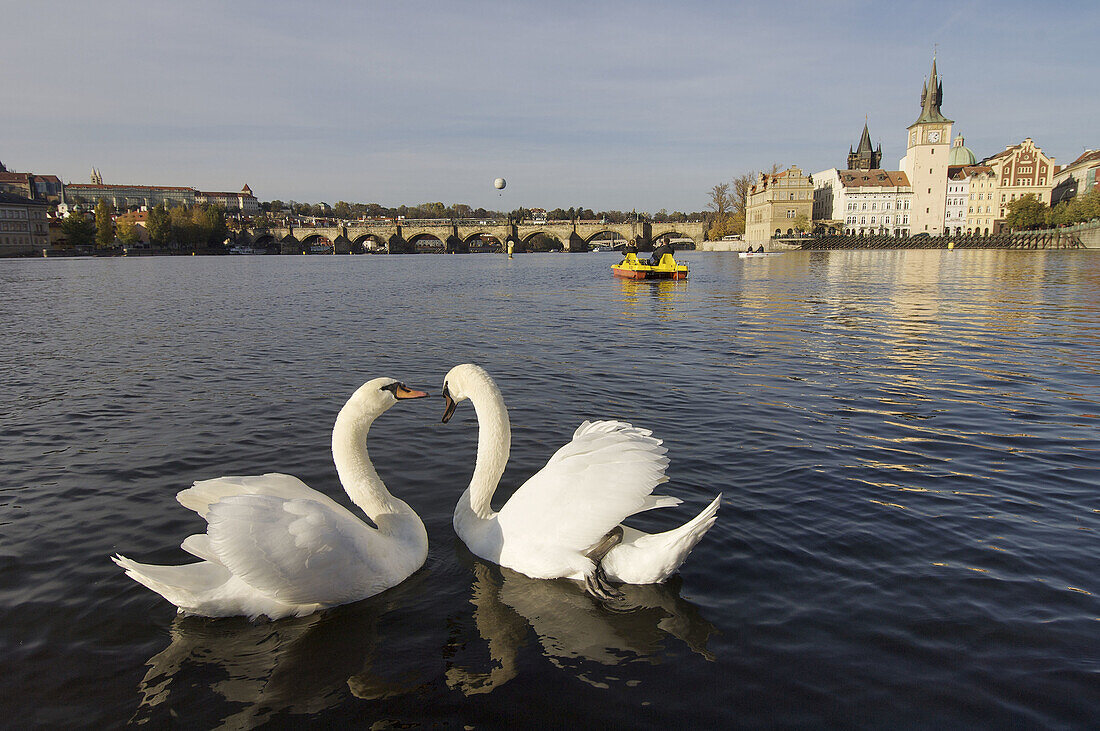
598 586
597 583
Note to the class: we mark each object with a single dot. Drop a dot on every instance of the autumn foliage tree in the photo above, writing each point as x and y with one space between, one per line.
104 226
1078 209
1026 212
159 225
721 222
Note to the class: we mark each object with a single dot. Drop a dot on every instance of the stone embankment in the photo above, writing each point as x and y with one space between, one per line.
1025 240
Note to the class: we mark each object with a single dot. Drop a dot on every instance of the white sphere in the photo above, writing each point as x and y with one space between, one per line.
499 183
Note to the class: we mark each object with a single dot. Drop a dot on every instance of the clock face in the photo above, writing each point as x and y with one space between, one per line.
934 136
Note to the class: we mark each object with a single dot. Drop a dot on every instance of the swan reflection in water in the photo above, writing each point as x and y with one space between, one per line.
577 633
237 674
293 666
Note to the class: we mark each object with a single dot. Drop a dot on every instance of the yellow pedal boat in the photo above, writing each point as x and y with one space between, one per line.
631 268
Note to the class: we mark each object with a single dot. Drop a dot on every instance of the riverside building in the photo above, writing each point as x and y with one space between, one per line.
864 202
128 197
958 187
778 204
1020 170
48 188
23 225
1077 178
926 159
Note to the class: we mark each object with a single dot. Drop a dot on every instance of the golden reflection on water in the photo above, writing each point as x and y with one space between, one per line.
662 293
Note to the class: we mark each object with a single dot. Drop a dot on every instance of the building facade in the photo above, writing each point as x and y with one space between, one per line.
124 197
864 202
1020 170
1077 178
981 186
778 204
243 202
958 187
23 225
48 188
958 191
926 158
128 197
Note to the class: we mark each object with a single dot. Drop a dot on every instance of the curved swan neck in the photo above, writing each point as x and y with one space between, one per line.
494 442
353 464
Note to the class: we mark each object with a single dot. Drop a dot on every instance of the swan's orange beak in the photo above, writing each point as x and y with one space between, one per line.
403 392
451 404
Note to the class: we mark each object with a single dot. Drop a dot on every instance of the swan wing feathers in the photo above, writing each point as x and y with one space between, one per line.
605 474
299 551
204 493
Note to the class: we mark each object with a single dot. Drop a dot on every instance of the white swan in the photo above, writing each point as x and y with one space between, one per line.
275 547
565 521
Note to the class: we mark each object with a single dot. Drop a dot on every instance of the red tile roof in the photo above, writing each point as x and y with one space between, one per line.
873 178
94 186
1086 157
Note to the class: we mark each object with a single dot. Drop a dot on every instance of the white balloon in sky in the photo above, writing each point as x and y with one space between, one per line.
499 183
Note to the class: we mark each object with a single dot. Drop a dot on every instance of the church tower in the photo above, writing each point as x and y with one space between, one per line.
863 157
926 158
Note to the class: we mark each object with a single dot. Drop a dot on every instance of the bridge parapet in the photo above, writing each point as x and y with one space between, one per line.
398 235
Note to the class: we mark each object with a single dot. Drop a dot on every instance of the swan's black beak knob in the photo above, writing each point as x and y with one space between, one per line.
451 404
400 390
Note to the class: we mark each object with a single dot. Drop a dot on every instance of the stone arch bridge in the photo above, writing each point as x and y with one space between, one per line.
409 236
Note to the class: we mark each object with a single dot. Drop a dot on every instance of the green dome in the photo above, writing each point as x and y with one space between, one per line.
961 154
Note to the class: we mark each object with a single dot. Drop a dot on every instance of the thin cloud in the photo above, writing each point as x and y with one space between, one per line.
640 105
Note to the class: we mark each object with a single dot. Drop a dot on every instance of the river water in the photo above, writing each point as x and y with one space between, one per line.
906 443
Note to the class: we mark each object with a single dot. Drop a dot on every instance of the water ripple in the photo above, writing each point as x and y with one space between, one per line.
905 442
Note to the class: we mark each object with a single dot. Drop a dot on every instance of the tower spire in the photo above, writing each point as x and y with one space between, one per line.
931 98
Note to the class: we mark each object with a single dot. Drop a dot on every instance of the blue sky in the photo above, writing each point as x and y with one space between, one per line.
610 105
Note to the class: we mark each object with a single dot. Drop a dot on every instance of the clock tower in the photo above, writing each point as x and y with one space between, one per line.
925 163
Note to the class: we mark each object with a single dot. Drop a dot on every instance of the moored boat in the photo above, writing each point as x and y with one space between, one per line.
631 268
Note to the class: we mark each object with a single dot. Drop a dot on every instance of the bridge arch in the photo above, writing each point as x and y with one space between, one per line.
541 241
369 242
483 241
676 236
426 243
602 236
316 243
